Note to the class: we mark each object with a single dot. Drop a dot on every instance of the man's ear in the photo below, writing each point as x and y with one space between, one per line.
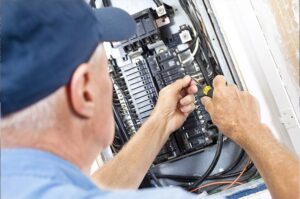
80 92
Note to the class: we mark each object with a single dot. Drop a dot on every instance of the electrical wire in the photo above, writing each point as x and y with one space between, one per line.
215 183
191 44
93 3
212 164
216 176
244 179
231 183
233 164
193 13
158 3
154 178
234 174
193 53
237 178
106 3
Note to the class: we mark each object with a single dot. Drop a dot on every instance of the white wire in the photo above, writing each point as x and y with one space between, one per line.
197 42
193 53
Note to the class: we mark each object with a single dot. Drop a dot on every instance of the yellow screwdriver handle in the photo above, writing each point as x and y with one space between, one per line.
207 90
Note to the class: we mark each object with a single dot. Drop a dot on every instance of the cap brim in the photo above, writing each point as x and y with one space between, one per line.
115 24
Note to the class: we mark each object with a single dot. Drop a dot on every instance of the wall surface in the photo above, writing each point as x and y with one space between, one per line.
279 21
286 13
262 38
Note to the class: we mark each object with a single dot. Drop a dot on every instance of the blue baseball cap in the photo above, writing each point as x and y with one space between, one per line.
42 43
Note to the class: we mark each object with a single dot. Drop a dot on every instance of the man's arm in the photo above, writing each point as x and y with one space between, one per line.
237 114
128 168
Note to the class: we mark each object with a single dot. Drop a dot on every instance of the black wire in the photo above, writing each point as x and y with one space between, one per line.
190 179
106 3
220 175
185 5
233 164
234 174
154 178
249 173
93 3
158 3
212 164
203 70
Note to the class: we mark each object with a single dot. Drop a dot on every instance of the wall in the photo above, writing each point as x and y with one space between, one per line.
267 58
286 13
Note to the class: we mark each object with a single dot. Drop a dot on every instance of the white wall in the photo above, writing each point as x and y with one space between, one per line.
256 53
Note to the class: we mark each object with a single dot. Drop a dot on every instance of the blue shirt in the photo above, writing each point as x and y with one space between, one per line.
35 174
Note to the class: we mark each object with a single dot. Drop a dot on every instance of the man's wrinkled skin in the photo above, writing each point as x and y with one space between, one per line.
237 114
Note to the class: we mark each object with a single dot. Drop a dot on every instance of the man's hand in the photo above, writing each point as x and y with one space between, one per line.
233 111
236 113
175 103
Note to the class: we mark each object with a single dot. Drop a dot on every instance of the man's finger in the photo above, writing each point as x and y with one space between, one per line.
193 82
187 109
219 81
189 99
182 83
192 89
208 104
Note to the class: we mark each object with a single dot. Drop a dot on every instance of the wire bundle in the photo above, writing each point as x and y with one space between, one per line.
191 10
219 179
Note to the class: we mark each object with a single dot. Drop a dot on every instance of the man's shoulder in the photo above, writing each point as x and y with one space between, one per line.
35 174
35 188
150 193
28 173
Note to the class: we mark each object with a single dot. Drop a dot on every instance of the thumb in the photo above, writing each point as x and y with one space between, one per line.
182 83
208 104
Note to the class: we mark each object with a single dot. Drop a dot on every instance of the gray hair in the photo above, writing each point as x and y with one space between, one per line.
35 117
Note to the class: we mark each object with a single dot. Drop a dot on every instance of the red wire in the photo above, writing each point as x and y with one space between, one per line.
231 183
214 183
237 178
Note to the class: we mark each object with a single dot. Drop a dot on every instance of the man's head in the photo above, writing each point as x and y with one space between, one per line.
56 93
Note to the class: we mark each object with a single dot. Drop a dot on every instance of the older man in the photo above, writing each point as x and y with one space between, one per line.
56 98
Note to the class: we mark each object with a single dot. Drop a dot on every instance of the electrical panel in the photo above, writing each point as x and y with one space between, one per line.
152 59
165 48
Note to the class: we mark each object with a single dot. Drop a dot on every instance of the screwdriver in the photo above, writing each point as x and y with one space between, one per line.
206 90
